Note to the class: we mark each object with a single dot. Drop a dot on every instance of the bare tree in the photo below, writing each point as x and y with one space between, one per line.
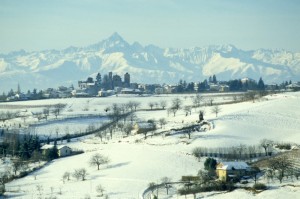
254 172
210 101
163 104
241 149
176 103
297 174
127 129
162 122
58 108
132 117
55 112
39 116
166 181
280 165
188 132
216 109
98 159
197 99
111 129
100 135
115 113
80 174
124 108
151 104
136 105
130 105
173 110
188 110
251 151
66 176
17 165
100 189
120 126
251 95
40 189
266 144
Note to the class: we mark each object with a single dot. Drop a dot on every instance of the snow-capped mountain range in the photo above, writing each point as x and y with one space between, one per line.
145 64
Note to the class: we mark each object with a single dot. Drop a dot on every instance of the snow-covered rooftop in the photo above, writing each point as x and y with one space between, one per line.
50 146
232 165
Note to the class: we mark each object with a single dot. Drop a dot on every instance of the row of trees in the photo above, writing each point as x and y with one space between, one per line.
239 152
22 146
234 85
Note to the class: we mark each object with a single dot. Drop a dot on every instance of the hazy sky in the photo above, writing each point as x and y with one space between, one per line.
247 24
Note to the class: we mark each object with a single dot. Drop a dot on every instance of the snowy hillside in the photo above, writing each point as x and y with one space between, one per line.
146 64
135 164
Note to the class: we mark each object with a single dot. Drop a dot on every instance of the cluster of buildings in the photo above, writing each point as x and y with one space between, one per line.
111 84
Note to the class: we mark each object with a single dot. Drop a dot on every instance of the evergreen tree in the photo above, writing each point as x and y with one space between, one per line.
52 153
190 87
98 80
105 83
203 85
19 89
40 95
236 85
180 87
210 164
34 94
214 79
10 93
24 148
261 84
245 86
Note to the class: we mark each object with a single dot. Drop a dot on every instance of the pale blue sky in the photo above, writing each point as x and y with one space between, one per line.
57 24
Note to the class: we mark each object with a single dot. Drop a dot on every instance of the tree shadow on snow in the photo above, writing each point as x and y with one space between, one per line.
17 195
118 165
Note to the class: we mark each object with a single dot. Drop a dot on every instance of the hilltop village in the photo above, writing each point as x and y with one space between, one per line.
113 84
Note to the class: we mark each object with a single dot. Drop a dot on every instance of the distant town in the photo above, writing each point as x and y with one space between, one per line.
112 84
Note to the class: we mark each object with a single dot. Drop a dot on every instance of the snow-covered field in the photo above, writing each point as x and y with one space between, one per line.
136 162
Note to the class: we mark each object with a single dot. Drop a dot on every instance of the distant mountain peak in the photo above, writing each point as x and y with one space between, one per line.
115 37
114 43
146 64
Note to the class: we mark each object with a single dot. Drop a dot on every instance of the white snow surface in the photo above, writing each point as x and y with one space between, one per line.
135 164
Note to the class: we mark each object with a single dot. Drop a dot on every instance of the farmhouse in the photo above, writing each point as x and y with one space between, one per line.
232 170
294 86
62 149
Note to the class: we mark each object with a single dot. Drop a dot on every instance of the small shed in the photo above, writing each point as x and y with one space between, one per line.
229 170
64 150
